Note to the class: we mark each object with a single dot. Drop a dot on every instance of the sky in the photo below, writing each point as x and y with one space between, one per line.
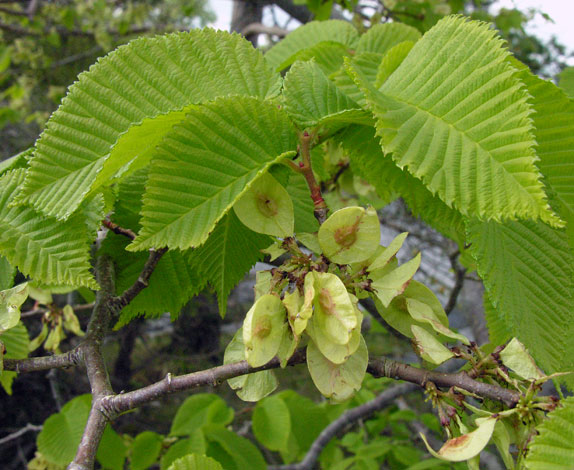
561 11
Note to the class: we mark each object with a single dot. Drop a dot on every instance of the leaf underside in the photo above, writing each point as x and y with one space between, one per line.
526 267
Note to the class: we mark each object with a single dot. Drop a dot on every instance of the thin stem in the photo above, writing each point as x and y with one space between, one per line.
320 207
126 232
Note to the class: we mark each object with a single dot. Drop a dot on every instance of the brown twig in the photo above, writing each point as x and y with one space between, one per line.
459 274
258 28
126 232
15 435
118 303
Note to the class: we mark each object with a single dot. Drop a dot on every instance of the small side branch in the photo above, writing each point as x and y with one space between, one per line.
126 232
15 435
118 303
34 364
348 418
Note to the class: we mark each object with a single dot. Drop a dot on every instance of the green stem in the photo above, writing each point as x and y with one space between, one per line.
320 207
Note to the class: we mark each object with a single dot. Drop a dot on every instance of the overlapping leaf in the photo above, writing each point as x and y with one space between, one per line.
312 99
553 447
284 53
554 132
303 206
382 37
48 251
526 267
230 251
455 116
205 164
368 160
124 104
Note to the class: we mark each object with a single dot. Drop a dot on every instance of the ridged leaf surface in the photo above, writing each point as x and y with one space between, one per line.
526 267
368 160
282 55
312 99
229 253
49 251
455 115
127 101
204 165
553 447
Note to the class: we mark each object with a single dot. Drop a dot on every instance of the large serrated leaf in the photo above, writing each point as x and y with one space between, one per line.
526 267
49 251
125 103
456 116
311 99
283 54
16 343
230 251
195 462
553 447
382 37
368 160
554 132
205 164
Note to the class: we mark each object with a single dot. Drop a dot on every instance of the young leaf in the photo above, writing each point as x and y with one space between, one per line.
198 411
7 273
242 451
283 54
205 164
553 448
16 343
122 107
389 281
311 99
195 444
467 446
474 122
48 251
383 37
368 64
195 462
266 207
337 381
392 60
272 423
527 272
145 450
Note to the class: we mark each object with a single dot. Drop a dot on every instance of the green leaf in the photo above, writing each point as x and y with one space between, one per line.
390 281
498 330
272 423
16 343
10 302
554 132
282 55
328 55
49 251
382 37
337 381
566 81
243 452
122 107
227 255
428 347
145 450
7 273
527 272
368 160
19 160
198 411
250 387
455 115
515 356
231 138
195 444
59 439
311 99
553 447
367 63
112 450
195 462
392 60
